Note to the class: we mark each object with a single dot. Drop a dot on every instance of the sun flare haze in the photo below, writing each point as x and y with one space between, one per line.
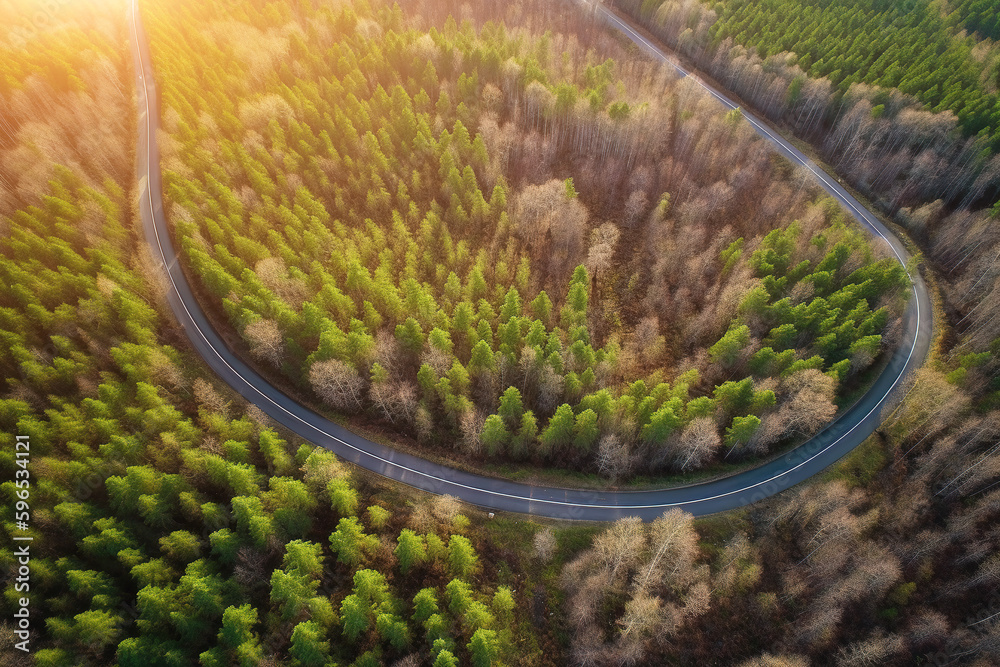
459 332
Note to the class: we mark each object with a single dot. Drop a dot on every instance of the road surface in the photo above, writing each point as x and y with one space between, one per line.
704 498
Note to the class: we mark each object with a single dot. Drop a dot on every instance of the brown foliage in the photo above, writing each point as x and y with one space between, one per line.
266 341
207 397
768 660
615 459
396 402
552 226
698 443
654 567
808 403
338 384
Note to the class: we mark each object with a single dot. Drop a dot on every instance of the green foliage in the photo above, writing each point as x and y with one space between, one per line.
393 629
343 497
410 335
730 346
541 307
410 550
293 588
156 571
559 431
225 544
308 649
445 658
354 617
703 406
372 605
495 435
766 362
162 491
291 504
734 397
351 544
585 430
181 546
392 231
462 558
459 596
378 517
333 206
504 604
437 628
436 549
484 647
661 424
525 436
303 559
883 45
731 255
511 408
424 605
238 643
252 520
741 431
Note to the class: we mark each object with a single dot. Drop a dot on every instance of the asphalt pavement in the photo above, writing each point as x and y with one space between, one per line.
719 495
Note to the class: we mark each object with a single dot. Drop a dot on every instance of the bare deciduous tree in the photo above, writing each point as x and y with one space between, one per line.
697 444
207 396
655 568
643 615
396 402
547 212
673 548
809 401
614 457
620 547
603 242
875 650
266 341
438 360
545 544
274 274
471 424
768 660
338 384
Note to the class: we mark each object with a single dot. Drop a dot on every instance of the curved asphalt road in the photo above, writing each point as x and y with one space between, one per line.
715 496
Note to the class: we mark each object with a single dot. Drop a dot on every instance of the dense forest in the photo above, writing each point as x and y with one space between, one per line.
917 161
173 524
979 16
891 558
421 224
895 95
